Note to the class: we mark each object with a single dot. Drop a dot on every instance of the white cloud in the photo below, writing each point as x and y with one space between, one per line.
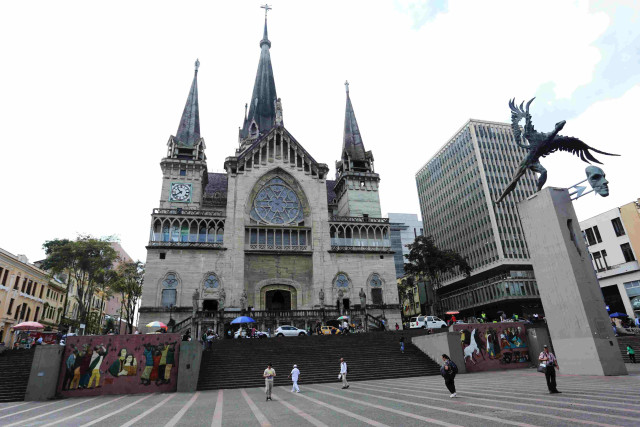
91 92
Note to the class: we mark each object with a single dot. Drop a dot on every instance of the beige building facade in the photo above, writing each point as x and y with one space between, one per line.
23 288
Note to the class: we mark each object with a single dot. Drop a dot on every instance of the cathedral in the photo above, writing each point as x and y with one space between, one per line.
272 237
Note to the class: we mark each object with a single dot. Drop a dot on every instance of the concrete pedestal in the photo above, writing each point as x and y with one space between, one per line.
573 304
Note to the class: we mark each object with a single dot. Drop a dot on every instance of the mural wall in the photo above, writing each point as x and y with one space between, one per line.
119 364
493 346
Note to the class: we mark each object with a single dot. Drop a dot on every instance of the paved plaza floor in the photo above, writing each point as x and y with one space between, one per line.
511 398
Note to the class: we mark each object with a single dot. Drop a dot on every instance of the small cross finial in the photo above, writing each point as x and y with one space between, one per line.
266 8
346 85
197 64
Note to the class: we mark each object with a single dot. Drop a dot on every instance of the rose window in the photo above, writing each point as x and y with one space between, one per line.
276 203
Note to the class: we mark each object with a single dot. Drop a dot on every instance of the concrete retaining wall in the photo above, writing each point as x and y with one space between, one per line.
189 366
436 345
45 370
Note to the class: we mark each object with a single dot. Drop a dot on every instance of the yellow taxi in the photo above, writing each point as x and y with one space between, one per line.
329 330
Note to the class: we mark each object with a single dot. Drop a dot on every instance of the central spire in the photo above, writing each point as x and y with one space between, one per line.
189 128
352 142
262 108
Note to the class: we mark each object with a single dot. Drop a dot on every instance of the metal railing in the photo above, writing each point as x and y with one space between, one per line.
359 219
189 212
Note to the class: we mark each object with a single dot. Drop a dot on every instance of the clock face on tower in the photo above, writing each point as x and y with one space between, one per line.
180 192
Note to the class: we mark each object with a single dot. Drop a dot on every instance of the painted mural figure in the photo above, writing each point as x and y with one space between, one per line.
70 368
75 382
157 356
125 365
164 367
85 372
148 357
171 357
99 352
473 347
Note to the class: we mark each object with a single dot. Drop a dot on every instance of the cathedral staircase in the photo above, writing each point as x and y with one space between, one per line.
634 342
15 367
375 355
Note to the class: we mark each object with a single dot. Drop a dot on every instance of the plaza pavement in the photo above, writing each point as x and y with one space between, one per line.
510 398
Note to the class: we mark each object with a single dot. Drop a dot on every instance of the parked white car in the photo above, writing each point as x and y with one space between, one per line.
427 322
289 331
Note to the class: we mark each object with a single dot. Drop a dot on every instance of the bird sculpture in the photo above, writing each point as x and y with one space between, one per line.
541 144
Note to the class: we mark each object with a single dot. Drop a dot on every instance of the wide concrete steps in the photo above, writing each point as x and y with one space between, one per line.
15 367
375 355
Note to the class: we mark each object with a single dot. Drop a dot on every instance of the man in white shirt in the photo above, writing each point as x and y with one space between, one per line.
550 361
294 375
343 373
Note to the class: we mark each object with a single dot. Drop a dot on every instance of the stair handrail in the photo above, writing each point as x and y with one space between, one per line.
178 326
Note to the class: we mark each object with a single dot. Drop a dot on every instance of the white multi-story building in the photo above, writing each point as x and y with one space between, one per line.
609 238
457 188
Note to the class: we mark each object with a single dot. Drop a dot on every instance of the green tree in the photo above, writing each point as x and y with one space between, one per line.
128 284
428 261
85 260
59 259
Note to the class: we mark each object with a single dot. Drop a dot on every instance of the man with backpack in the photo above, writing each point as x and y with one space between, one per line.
448 370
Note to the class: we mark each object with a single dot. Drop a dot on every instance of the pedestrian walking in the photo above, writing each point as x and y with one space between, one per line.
631 353
402 344
397 327
343 373
551 363
448 370
294 375
268 375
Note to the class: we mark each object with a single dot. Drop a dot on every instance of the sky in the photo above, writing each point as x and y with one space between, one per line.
91 91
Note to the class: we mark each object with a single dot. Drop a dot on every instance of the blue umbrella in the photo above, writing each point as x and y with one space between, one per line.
242 319
616 314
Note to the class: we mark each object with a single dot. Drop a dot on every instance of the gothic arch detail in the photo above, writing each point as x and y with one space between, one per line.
169 287
341 281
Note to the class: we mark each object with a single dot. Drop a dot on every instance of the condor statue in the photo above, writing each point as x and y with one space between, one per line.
541 144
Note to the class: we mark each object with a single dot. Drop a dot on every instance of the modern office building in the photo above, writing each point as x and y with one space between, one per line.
457 188
404 230
610 238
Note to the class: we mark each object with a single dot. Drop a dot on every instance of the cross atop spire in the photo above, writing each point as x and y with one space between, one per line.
266 8
262 107
197 64
346 85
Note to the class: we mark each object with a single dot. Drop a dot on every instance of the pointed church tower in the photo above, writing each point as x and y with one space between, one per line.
262 108
356 185
185 167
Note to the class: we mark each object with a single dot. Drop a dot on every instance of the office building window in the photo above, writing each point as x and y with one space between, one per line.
617 227
10 306
591 240
597 233
627 252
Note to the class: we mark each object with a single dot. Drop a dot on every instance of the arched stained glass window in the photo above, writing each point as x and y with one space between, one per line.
211 282
375 281
276 203
170 281
342 281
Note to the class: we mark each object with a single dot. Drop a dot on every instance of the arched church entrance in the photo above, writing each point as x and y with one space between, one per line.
278 300
278 297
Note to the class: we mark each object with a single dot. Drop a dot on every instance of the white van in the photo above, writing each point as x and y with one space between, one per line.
427 322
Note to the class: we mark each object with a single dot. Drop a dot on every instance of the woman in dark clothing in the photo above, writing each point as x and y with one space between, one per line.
448 372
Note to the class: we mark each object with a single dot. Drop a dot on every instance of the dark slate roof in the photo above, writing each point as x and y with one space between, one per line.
352 141
189 129
262 107
217 183
259 140
331 194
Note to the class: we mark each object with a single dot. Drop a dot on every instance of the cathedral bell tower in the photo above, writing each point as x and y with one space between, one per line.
356 185
184 169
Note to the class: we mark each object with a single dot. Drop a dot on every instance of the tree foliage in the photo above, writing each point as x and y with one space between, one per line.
426 260
128 284
85 260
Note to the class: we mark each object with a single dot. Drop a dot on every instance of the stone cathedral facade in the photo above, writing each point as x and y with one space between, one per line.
273 237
